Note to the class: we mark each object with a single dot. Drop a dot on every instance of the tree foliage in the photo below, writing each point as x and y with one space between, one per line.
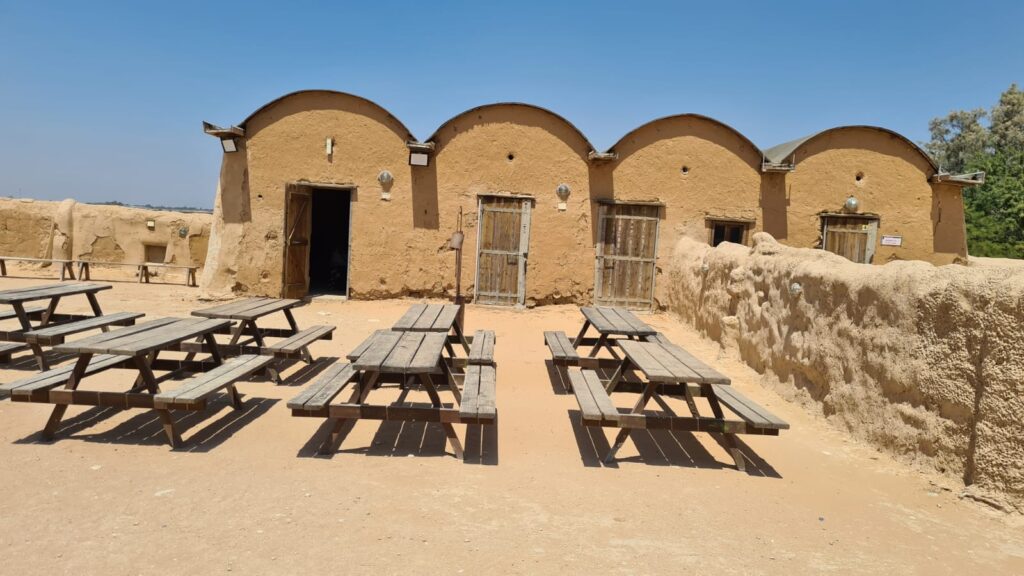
963 142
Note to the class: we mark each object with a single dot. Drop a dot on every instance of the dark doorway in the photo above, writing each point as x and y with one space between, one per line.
328 255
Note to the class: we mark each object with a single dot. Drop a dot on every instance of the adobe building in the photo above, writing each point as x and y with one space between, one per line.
327 192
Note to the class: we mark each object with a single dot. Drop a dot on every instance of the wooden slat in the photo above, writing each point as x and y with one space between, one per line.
708 375
57 376
194 391
425 322
61 330
408 320
469 407
358 351
30 311
428 356
598 320
229 308
301 339
595 405
482 349
639 355
319 394
486 400
377 351
446 319
49 291
97 340
267 308
747 409
403 352
639 327
681 371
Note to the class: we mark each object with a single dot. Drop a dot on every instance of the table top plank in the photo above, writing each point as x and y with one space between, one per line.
707 374
597 319
403 352
446 319
609 320
43 292
265 309
230 307
155 335
428 356
425 322
90 343
408 319
678 369
639 353
666 362
629 319
248 308
377 351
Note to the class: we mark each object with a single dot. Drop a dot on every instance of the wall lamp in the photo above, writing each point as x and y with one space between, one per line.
229 145
563 195
386 180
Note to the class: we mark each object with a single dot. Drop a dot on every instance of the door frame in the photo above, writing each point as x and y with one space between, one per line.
312 187
524 242
602 215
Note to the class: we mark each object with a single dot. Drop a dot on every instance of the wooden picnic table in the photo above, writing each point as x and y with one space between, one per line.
138 347
610 322
53 293
669 369
443 318
406 358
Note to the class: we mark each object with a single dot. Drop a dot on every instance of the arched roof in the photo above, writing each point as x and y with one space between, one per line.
781 153
570 125
270 104
688 115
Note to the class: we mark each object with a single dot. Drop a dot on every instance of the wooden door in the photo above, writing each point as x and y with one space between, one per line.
297 226
503 239
852 237
627 253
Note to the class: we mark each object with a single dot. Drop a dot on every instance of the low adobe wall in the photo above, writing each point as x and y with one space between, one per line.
72 231
925 362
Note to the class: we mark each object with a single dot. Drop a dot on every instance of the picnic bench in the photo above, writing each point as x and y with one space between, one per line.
66 270
142 269
442 318
668 371
50 328
407 358
608 322
138 347
294 343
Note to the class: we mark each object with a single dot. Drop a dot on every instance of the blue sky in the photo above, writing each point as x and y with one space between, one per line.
104 100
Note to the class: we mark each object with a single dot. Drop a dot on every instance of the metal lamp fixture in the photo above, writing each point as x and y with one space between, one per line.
563 195
851 204
229 145
386 180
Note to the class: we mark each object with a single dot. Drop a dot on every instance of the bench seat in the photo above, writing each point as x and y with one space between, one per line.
143 269
8 348
295 345
482 350
318 395
34 387
562 350
65 265
53 335
754 414
595 405
33 312
658 337
193 393
479 389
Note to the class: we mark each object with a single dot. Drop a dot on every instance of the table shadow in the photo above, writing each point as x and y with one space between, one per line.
660 448
145 428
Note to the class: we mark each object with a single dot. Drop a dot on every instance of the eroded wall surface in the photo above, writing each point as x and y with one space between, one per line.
74 231
921 361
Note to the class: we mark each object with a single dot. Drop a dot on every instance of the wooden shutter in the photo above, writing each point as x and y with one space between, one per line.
298 224
503 237
627 253
852 237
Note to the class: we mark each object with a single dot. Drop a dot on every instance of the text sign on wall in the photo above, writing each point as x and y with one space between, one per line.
892 240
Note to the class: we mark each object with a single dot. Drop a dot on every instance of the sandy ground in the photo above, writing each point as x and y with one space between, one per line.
249 495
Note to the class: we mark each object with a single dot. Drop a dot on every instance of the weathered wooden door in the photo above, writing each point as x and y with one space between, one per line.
852 237
297 227
627 252
503 239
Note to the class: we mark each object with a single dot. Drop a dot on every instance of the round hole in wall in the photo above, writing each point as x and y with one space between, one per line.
260 196
511 156
859 176
685 170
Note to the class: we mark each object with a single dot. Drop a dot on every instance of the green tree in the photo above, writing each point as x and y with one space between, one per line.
961 142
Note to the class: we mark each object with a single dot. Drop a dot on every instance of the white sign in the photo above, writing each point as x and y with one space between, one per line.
892 240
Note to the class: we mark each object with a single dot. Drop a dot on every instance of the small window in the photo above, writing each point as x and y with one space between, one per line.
852 237
156 253
734 231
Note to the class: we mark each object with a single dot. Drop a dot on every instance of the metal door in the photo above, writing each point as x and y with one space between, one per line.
627 253
297 226
503 239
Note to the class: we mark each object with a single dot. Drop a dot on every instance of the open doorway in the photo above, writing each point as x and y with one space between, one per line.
329 241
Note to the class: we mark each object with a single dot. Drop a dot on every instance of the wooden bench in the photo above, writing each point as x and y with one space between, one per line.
596 406
65 265
756 416
318 395
53 335
9 348
296 346
194 392
33 313
562 350
481 351
478 395
34 388
142 269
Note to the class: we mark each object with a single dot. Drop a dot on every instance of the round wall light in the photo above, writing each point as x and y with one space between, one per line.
851 204
563 195
385 178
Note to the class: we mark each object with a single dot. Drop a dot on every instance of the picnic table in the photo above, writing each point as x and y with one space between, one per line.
669 370
609 323
138 347
443 318
295 343
51 328
406 358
